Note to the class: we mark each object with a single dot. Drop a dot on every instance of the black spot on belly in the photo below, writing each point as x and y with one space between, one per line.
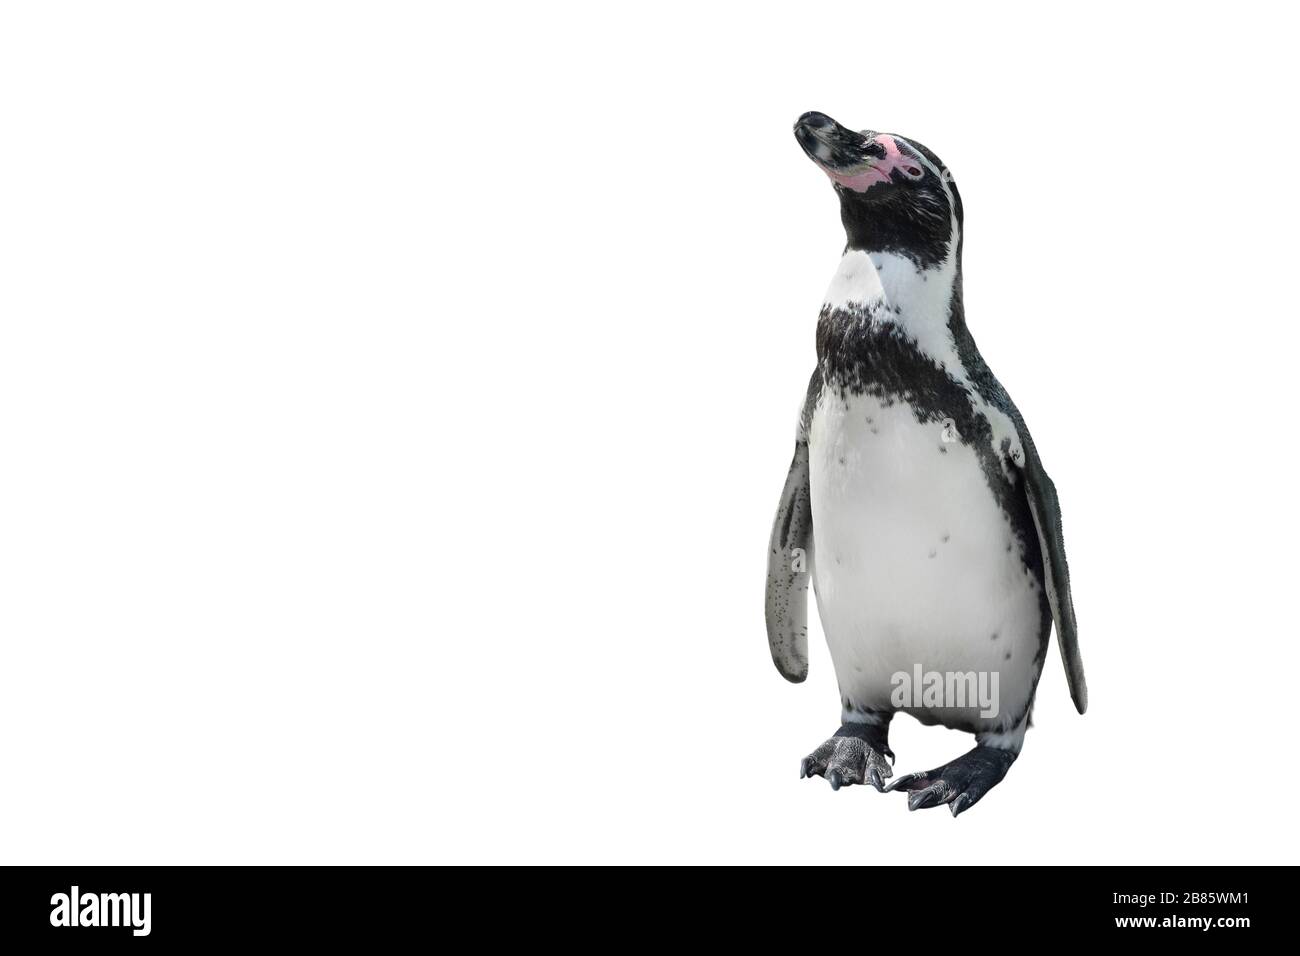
994 637
1006 656
945 538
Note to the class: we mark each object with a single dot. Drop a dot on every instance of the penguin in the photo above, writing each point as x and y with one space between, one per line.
916 504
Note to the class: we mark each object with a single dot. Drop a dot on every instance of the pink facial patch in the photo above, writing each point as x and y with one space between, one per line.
864 177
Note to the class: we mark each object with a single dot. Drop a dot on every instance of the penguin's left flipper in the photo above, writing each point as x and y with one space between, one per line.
1046 509
959 783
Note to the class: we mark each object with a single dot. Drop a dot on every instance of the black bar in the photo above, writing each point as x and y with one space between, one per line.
979 907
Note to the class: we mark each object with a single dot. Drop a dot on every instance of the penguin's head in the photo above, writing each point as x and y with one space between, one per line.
895 195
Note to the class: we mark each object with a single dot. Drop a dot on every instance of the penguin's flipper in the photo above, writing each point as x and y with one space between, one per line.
789 561
1047 519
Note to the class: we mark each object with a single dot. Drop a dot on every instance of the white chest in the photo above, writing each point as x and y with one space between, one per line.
915 561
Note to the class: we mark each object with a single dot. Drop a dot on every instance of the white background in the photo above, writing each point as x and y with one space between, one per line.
394 400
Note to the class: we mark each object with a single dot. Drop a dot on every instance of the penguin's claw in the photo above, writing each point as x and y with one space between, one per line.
931 796
904 781
844 761
960 783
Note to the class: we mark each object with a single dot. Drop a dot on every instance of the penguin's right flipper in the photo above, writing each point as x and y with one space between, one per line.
788 566
789 557
1041 493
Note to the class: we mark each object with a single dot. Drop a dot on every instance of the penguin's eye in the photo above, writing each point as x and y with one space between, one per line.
912 172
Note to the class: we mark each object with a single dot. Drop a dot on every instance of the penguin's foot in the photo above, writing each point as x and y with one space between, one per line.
856 754
960 783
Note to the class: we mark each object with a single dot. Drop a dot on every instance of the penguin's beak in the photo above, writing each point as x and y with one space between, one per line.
835 148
